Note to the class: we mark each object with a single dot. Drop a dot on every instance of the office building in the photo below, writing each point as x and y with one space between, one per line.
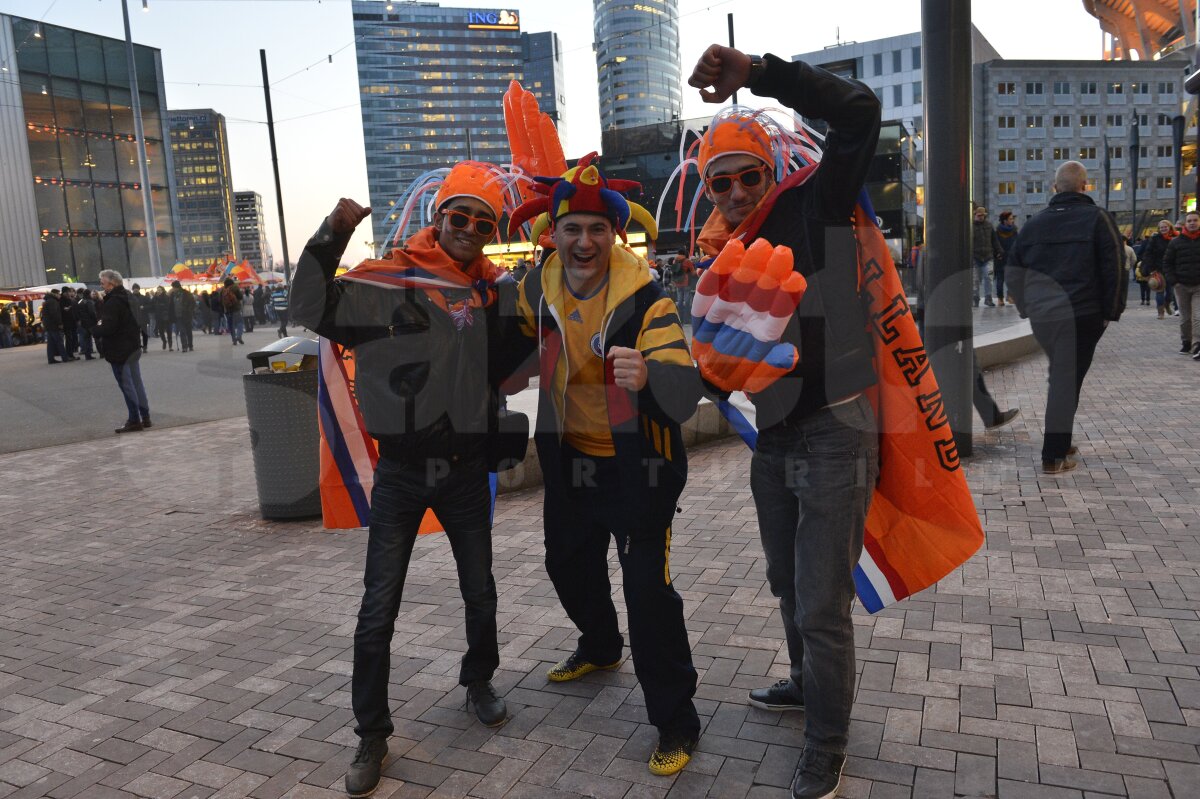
70 188
251 225
543 68
204 187
891 67
1033 115
431 82
637 62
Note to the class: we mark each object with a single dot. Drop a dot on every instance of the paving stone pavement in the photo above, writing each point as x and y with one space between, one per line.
157 639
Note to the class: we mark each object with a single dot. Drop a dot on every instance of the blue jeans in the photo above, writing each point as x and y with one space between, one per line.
981 281
6 339
812 482
129 379
55 346
234 322
460 495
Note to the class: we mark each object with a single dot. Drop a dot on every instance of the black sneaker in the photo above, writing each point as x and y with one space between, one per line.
783 695
1186 349
1196 349
818 775
1004 418
363 777
489 708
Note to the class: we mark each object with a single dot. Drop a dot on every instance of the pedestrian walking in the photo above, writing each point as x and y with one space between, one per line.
85 313
183 308
52 326
1069 279
231 308
279 304
1152 258
247 310
1006 236
120 330
164 315
985 252
1181 266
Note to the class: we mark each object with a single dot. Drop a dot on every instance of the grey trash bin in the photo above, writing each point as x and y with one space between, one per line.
281 408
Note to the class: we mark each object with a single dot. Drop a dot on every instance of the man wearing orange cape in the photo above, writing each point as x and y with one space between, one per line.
423 325
802 310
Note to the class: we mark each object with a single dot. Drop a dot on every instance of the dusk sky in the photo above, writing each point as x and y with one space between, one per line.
210 60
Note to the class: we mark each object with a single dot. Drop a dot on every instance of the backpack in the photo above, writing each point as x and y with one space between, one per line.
230 301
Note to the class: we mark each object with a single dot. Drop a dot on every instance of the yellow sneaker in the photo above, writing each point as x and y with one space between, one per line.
575 667
674 751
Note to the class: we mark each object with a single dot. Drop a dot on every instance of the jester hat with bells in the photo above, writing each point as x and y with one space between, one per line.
581 189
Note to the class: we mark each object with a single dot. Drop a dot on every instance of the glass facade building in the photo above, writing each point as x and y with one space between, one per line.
77 166
252 229
431 82
203 186
637 62
544 77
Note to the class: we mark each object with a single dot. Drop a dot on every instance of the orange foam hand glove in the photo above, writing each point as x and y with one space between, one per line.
741 308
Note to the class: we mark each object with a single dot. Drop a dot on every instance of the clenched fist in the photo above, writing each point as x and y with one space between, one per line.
724 69
346 216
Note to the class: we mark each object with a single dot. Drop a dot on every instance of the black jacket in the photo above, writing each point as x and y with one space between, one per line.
118 326
85 311
1181 263
1068 262
425 388
814 220
1153 252
51 314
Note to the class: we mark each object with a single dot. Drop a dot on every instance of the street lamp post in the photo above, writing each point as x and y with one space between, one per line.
140 134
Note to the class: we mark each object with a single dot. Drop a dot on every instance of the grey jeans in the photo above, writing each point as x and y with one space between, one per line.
812 483
1188 300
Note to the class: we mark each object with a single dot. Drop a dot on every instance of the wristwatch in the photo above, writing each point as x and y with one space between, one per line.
757 68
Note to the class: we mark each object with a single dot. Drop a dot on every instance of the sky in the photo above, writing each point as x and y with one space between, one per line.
210 60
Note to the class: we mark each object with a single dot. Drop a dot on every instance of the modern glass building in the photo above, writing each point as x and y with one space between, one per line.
637 61
543 65
252 242
203 186
431 82
70 189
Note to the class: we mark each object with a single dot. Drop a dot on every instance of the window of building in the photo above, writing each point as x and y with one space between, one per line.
1166 87
1007 122
877 63
1118 184
897 96
1115 87
1062 153
1034 87
1144 151
1143 183
896 66
916 57
1008 155
1164 119
1007 187
1034 154
1062 87
1006 88
1140 87
1062 120
1087 120
1165 150
1086 153
1087 87
1114 120
916 92
1143 120
1165 182
1034 121
1116 152
1034 186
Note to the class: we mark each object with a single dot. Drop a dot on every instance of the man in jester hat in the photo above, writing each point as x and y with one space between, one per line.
616 382
423 326
783 232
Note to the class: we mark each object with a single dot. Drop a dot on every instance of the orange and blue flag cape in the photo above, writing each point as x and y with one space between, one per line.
922 523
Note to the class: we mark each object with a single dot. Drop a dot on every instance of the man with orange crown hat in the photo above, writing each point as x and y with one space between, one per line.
424 327
815 464
616 382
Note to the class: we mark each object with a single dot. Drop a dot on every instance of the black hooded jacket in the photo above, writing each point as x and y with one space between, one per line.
1181 262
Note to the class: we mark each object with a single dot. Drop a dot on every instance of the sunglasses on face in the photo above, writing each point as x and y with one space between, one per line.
749 178
460 221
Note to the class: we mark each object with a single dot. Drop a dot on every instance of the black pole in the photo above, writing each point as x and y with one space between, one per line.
470 149
1177 123
946 51
729 20
1135 146
287 263
1107 170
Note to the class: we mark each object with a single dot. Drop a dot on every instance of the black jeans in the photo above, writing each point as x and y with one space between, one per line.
812 482
1069 345
185 333
981 398
577 562
460 496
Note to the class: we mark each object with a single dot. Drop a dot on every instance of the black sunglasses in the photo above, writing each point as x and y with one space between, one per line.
460 221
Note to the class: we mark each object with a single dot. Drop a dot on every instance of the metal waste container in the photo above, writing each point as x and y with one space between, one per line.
281 408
